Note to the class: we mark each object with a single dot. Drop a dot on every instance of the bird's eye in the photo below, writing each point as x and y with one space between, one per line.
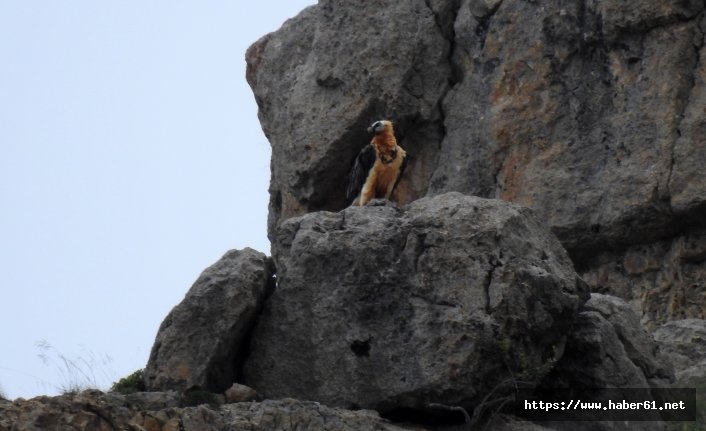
376 124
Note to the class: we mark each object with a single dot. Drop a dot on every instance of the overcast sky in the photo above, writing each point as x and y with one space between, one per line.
131 159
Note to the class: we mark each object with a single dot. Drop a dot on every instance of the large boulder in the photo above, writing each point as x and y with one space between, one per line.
591 113
200 344
608 348
639 346
437 302
683 344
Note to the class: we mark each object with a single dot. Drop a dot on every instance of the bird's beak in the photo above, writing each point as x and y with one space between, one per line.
369 129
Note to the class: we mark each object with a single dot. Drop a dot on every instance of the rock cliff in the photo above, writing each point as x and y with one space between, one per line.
589 112
423 317
550 216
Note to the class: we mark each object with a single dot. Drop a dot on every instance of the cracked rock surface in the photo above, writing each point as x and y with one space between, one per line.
589 112
683 343
199 343
158 411
437 302
326 75
609 349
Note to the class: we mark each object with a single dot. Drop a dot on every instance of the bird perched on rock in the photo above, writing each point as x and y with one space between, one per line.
378 167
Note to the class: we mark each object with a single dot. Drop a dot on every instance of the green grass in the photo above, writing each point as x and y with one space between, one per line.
133 383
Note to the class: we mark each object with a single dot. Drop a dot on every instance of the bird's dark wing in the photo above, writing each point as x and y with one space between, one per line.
361 167
402 168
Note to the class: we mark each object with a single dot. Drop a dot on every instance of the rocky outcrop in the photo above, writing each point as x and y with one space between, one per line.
200 344
591 113
89 410
96 411
437 302
509 423
579 109
663 280
608 348
270 415
429 314
320 81
637 344
683 344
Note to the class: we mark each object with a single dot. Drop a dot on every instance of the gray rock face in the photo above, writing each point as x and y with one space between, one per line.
200 342
591 113
596 357
683 343
608 348
575 111
89 410
96 411
320 82
437 302
663 280
639 346
269 415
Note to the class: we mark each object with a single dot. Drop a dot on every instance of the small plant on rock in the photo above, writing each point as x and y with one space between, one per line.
135 382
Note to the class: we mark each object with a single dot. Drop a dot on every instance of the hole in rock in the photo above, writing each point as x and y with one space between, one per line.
428 417
361 348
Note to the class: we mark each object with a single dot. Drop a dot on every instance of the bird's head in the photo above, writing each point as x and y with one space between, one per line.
380 126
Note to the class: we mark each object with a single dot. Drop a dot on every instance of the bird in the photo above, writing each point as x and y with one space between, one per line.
378 167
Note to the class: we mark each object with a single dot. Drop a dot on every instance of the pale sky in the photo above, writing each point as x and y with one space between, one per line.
131 158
